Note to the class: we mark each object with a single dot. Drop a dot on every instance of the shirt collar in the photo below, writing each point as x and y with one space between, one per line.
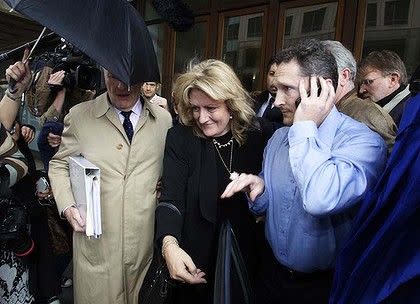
136 109
102 105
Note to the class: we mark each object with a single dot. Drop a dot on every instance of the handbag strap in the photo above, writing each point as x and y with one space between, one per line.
241 269
229 249
221 293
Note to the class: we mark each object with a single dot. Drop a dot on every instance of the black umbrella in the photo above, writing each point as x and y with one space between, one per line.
111 32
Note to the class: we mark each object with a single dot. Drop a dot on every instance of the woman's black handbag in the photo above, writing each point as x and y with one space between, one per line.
157 284
228 251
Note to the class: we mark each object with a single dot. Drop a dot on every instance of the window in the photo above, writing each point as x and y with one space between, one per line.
255 27
303 22
233 31
231 58
189 45
396 12
241 49
288 25
371 14
312 21
251 57
397 28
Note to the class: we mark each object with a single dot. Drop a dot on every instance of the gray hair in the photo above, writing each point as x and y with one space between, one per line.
343 57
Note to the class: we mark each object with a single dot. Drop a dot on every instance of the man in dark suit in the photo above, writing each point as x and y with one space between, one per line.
270 117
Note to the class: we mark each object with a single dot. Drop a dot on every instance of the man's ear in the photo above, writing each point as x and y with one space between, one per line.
394 79
345 77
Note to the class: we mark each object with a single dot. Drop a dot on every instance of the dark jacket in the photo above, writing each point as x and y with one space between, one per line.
272 119
189 200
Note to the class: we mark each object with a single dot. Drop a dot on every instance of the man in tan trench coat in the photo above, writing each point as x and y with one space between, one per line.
111 269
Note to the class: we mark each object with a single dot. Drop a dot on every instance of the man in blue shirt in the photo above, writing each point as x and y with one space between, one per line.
314 174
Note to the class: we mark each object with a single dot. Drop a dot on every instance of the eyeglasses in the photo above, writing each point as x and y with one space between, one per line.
368 82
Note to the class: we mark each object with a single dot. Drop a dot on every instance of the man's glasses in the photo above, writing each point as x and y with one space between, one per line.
368 82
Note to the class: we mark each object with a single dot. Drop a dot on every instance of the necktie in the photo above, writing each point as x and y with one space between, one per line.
128 126
268 108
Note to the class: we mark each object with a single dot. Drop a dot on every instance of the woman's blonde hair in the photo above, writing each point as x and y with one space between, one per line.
216 79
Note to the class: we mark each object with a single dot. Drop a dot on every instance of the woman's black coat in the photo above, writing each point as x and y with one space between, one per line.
188 204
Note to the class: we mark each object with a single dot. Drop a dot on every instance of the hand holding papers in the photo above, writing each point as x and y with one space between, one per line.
85 183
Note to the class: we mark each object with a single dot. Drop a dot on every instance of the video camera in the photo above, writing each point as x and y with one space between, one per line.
14 234
81 71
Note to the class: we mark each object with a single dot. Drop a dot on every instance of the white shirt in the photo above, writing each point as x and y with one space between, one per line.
264 106
135 115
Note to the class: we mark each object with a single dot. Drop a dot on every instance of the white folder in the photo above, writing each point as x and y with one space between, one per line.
85 184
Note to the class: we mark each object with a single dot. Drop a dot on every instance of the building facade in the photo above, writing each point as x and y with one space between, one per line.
246 33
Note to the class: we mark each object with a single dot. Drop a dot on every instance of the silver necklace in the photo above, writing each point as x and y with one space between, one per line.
232 175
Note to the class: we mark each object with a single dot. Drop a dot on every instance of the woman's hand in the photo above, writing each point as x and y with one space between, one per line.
180 265
251 184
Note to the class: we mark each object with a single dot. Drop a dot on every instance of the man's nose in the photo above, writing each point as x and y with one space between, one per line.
362 88
279 100
121 85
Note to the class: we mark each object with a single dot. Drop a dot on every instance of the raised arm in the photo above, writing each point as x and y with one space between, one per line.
333 178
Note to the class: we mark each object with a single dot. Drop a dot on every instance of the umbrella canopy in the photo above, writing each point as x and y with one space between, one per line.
111 32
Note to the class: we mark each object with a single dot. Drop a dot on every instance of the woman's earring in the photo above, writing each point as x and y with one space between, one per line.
230 117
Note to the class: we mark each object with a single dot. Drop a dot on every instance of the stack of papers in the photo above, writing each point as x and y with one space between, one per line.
85 184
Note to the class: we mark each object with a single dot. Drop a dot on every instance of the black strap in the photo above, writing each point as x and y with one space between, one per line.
229 248
241 269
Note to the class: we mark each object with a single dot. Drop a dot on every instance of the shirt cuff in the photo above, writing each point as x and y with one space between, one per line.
65 208
301 130
259 206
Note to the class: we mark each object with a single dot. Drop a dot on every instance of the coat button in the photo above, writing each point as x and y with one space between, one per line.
119 146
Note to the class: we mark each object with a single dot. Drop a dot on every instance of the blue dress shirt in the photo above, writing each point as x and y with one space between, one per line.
313 179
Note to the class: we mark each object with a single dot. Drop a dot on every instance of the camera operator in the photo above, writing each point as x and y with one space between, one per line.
15 240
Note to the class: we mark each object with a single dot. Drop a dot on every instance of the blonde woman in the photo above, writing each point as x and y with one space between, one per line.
216 141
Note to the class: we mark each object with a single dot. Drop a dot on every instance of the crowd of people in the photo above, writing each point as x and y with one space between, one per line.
315 177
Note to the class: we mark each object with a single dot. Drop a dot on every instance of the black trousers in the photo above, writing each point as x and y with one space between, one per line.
277 284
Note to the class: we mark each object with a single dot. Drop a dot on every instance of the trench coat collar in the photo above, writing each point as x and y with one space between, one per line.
208 182
102 105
